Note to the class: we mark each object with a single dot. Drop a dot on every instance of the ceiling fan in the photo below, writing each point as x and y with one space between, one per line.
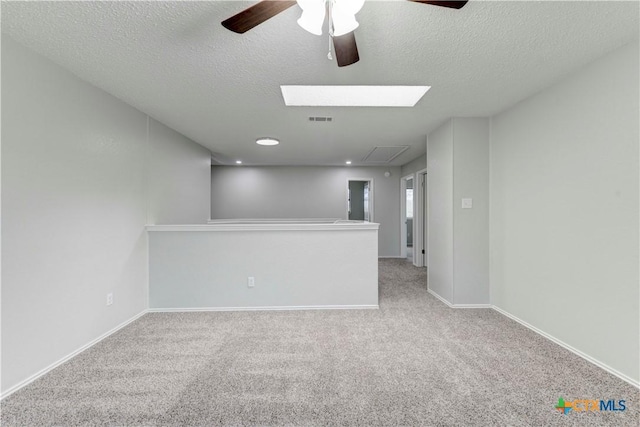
341 14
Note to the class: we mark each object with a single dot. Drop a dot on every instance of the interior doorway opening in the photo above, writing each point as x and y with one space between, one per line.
360 199
407 213
421 220
408 195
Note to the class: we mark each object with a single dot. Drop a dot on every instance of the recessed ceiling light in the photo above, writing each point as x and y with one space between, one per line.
352 96
267 141
348 162
239 162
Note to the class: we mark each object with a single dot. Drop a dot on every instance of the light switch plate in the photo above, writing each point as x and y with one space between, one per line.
467 203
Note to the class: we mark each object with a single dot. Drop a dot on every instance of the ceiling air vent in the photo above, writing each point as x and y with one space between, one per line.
382 155
320 119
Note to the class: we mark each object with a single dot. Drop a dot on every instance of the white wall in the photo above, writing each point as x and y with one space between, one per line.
458 167
179 178
414 166
564 210
305 192
74 205
440 206
471 226
305 266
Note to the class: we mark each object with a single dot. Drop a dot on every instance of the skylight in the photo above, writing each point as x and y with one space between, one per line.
352 96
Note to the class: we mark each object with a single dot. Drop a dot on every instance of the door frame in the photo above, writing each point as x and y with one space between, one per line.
403 215
370 180
420 220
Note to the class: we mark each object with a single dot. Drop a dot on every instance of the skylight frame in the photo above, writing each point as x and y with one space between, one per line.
352 95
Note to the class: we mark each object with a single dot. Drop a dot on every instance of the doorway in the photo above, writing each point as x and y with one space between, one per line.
360 199
407 211
421 207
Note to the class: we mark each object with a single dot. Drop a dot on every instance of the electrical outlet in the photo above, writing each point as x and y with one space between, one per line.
251 282
109 299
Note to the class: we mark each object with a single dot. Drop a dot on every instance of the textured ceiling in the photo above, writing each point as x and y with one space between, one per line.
175 62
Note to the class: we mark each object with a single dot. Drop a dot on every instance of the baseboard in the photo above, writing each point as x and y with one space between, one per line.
392 257
458 305
575 351
440 298
54 365
472 306
266 308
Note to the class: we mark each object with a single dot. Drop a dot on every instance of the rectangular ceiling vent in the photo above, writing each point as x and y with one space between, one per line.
320 119
382 155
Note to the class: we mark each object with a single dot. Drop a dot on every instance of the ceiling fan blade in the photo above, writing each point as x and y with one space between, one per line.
346 49
256 15
444 3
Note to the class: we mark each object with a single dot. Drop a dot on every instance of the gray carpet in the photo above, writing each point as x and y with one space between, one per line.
413 362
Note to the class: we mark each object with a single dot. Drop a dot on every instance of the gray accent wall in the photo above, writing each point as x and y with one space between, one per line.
81 174
306 192
564 210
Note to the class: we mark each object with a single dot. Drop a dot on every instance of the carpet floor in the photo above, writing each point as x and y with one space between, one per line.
412 362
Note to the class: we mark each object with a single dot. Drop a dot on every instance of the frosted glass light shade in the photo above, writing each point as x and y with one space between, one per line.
313 14
343 23
312 22
343 15
350 6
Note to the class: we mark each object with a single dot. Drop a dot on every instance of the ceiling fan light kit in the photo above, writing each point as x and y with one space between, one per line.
342 20
342 15
343 24
313 14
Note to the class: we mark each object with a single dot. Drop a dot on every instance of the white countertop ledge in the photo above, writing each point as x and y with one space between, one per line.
280 226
